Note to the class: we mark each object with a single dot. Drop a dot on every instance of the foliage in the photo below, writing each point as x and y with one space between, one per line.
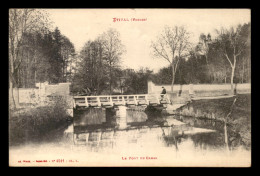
136 81
21 21
37 54
36 122
231 44
99 64
44 57
207 62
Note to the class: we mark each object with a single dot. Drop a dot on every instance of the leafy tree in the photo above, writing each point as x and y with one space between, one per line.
99 63
164 76
92 70
244 66
136 81
112 50
32 60
202 49
44 57
87 68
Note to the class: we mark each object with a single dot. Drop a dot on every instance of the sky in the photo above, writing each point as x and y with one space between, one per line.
81 25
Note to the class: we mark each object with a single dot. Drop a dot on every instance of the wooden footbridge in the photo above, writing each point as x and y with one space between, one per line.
121 100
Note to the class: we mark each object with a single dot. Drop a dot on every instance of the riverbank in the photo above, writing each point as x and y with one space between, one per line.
239 121
32 124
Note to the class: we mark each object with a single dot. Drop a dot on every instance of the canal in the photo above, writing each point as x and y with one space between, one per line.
102 138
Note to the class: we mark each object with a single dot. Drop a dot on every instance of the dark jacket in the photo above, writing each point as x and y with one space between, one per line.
163 91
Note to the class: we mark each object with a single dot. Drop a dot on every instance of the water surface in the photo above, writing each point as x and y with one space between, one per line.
139 139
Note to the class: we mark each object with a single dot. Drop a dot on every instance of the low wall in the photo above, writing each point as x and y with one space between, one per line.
39 95
200 89
29 95
58 89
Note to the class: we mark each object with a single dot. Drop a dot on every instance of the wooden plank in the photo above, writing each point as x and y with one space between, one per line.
110 100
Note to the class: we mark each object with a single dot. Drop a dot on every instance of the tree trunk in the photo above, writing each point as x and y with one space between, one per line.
110 81
233 74
248 70
35 70
28 71
232 79
208 69
101 69
12 102
173 77
226 136
243 70
35 77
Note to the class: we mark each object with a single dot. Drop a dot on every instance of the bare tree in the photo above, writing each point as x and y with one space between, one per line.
112 50
172 45
231 45
21 21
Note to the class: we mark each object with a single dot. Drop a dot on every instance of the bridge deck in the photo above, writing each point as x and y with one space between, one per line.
116 100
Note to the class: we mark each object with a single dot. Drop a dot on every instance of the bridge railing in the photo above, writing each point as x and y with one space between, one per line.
111 100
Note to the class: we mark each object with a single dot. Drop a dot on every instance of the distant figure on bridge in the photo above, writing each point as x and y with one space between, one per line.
95 92
163 92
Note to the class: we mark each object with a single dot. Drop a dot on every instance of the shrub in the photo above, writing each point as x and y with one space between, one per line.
36 122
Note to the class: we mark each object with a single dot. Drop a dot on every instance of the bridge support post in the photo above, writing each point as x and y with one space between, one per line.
121 113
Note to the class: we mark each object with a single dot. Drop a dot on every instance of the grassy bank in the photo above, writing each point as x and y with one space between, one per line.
239 122
34 123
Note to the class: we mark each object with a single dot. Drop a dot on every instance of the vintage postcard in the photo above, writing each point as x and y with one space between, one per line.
130 87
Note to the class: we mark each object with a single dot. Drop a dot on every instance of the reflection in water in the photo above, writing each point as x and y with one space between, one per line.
132 127
208 141
234 139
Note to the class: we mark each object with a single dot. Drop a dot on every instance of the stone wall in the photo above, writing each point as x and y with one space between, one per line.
40 94
199 89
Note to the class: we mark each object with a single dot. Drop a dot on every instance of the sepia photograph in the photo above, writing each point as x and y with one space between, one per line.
133 87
